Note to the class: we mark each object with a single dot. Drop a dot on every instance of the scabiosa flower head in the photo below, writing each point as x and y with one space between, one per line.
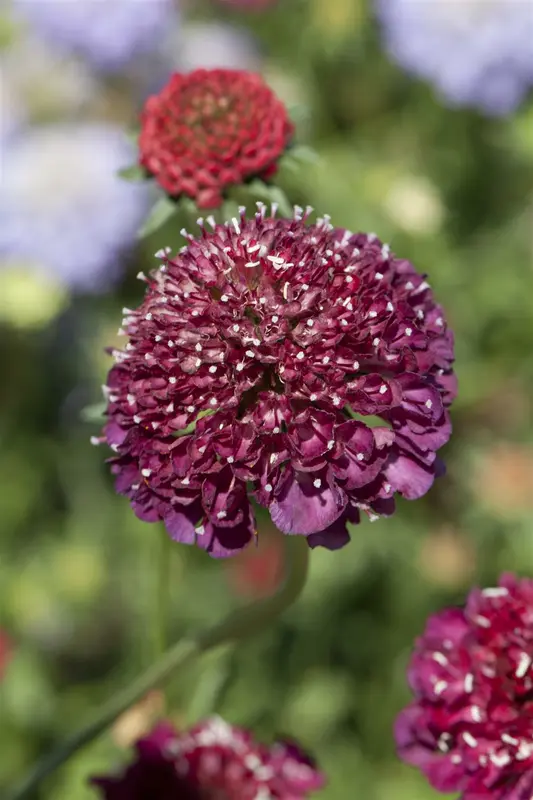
63 208
108 35
213 761
470 728
252 368
477 52
209 129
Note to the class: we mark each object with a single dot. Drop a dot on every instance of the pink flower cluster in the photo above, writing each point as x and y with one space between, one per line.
212 761
470 726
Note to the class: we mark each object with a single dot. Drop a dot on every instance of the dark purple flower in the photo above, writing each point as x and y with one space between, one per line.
257 365
213 761
470 728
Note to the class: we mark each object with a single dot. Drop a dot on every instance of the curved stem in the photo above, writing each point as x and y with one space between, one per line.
238 624
161 594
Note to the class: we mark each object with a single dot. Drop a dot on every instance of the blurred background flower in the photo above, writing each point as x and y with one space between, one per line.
216 44
63 207
45 83
476 52
109 36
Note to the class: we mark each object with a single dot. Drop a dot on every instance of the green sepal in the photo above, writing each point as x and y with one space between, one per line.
272 194
134 174
299 156
161 212
94 413
192 425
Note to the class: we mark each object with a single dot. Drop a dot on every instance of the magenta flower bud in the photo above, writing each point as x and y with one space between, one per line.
251 369
212 761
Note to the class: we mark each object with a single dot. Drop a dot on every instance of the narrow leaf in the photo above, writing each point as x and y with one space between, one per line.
133 173
163 210
94 413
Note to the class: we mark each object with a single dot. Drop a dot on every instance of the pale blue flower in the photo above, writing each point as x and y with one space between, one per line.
64 209
476 52
110 34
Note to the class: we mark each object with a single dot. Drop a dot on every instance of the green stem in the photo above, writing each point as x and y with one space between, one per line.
161 594
240 623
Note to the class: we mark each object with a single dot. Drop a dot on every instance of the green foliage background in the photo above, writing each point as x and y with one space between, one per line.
449 189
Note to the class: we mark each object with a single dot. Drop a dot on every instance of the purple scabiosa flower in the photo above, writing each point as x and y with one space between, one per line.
476 52
63 208
255 368
212 761
108 35
470 727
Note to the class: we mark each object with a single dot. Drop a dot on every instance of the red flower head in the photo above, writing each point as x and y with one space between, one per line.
470 728
210 129
257 365
213 761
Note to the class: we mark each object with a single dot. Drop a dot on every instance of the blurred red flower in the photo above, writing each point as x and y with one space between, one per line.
210 129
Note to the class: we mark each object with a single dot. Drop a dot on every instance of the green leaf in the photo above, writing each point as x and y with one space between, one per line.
163 210
134 173
94 413
192 425
299 156
272 194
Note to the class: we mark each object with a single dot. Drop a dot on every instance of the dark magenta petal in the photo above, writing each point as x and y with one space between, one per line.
307 504
333 538
409 477
181 526
222 542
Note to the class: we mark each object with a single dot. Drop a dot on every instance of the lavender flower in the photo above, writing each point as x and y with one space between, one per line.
62 205
476 52
108 34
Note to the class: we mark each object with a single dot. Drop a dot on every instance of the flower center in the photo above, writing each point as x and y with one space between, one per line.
201 106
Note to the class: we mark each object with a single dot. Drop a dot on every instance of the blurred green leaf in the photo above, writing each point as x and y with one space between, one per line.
133 174
162 212
94 413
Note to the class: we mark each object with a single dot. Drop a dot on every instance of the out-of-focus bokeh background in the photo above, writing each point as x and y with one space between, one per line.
446 184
